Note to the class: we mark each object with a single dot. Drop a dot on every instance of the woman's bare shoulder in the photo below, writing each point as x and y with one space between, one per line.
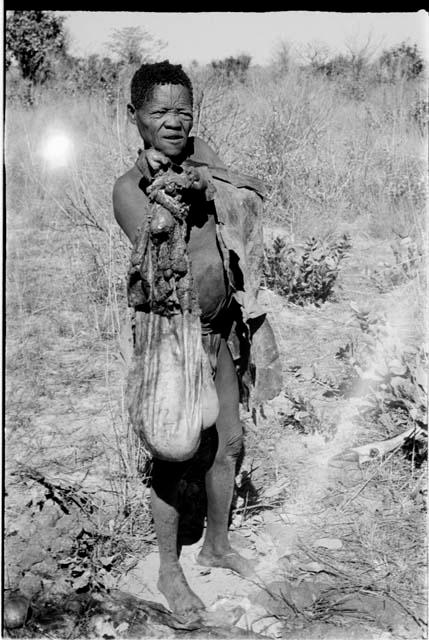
129 179
130 203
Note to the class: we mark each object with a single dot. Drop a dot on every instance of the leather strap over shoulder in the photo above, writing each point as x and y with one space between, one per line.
239 180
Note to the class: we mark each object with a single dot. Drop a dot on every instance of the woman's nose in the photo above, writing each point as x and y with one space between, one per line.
172 120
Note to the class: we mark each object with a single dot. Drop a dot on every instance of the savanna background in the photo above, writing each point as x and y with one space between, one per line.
338 526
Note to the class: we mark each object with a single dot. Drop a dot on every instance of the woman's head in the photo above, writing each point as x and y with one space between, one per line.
161 107
151 74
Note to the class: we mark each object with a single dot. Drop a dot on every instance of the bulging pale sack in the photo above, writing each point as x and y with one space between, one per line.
171 394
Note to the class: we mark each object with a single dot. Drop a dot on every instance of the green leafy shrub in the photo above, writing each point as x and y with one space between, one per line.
402 61
408 263
397 381
306 276
393 381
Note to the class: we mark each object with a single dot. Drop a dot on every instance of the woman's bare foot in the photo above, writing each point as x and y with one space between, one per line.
181 599
227 559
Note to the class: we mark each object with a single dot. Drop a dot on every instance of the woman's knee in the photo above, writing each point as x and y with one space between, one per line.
231 444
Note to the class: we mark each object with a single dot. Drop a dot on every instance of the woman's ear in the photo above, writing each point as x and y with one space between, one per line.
131 113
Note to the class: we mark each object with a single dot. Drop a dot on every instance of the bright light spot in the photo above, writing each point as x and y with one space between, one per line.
57 149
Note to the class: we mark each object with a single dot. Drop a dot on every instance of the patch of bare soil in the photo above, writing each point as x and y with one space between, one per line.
309 581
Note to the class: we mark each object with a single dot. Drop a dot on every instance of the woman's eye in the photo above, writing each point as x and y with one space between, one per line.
187 115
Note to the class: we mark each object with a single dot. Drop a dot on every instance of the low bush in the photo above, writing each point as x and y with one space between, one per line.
392 379
307 275
407 265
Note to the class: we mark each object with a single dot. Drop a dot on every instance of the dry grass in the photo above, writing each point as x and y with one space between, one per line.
329 160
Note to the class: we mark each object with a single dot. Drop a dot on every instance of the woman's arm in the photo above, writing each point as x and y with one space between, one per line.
130 204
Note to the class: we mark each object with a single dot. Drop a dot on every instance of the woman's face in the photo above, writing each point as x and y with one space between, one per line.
165 119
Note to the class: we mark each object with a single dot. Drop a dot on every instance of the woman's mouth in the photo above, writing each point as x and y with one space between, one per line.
173 138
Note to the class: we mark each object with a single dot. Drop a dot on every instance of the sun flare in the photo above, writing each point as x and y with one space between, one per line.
57 150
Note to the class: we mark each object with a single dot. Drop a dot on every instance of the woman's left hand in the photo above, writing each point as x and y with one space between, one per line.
200 179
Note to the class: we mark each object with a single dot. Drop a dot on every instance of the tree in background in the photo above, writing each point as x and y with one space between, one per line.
33 39
402 61
352 64
233 68
313 55
134 45
281 59
90 76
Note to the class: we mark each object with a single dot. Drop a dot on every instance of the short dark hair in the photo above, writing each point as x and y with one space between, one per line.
151 74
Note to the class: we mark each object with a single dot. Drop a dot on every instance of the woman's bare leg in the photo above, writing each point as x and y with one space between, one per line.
172 582
216 550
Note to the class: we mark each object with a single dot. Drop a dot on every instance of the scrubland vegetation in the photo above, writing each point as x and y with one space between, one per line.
341 145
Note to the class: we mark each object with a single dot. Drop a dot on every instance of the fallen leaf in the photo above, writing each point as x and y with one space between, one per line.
270 517
109 581
312 567
32 555
102 625
130 563
63 562
252 613
263 543
348 456
307 373
276 489
328 543
396 382
398 368
283 538
82 581
122 627
30 585
421 377
246 532
372 506
107 560
223 612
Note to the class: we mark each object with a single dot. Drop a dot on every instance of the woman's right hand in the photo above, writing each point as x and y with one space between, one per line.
150 161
